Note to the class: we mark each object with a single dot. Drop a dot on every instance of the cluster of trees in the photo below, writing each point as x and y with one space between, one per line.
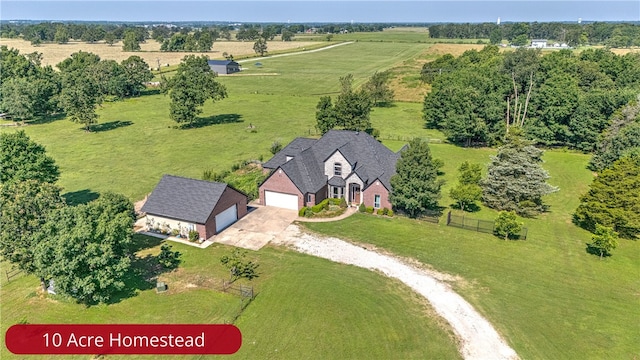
515 183
85 249
201 40
610 34
62 33
352 108
29 90
559 99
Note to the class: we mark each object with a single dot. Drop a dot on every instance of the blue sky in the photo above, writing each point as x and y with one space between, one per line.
322 11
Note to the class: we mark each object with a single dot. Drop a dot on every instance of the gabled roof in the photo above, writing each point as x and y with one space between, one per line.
221 62
370 159
184 199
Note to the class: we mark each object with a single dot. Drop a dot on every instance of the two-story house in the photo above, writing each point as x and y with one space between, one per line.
341 164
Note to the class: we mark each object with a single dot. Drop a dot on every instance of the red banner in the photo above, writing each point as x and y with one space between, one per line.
123 339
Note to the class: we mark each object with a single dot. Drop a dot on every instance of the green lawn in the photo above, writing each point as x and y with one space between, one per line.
136 142
305 308
546 295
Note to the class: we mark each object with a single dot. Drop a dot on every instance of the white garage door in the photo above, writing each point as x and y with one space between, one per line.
226 218
281 200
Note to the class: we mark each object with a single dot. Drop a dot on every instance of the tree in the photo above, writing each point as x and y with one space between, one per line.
193 84
22 159
325 115
62 35
80 97
130 42
136 73
520 40
110 38
18 98
613 199
495 37
85 250
352 108
25 207
468 190
621 137
507 225
378 88
415 186
287 35
603 241
515 179
167 258
205 41
239 267
260 46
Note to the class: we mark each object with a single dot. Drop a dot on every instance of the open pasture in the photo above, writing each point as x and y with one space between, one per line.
53 54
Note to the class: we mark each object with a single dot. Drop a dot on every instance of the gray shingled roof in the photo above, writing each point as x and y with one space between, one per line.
184 199
221 62
370 159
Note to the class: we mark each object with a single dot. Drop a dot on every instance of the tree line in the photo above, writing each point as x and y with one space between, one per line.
597 33
559 99
30 90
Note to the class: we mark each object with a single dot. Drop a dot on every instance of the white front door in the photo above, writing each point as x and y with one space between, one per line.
287 201
226 218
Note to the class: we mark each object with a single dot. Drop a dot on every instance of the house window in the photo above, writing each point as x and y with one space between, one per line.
337 192
376 201
308 198
337 169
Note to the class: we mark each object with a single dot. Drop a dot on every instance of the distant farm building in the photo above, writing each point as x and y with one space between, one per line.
538 43
224 67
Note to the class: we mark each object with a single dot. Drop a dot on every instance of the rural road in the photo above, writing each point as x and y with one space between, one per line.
294 53
478 339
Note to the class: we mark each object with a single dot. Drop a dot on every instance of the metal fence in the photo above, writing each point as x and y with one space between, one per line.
483 226
246 294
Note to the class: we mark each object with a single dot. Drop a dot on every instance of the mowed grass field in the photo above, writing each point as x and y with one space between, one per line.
136 142
546 295
305 308
548 298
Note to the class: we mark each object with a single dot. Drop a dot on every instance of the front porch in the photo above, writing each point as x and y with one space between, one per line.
351 192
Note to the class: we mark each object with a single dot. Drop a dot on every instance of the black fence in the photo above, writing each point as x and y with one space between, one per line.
246 294
483 226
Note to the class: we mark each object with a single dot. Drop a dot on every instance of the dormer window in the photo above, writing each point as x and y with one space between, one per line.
337 169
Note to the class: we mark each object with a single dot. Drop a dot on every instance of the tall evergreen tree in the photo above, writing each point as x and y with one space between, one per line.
515 179
468 190
613 199
415 186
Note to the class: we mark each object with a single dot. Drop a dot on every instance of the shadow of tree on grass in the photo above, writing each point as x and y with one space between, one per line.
213 120
79 197
144 270
110 125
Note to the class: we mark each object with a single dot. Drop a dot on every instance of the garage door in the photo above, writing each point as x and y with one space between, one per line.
226 218
287 201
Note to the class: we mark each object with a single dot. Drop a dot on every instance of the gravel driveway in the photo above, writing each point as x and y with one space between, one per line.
478 338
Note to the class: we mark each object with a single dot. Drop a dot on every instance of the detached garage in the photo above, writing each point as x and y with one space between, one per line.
181 205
